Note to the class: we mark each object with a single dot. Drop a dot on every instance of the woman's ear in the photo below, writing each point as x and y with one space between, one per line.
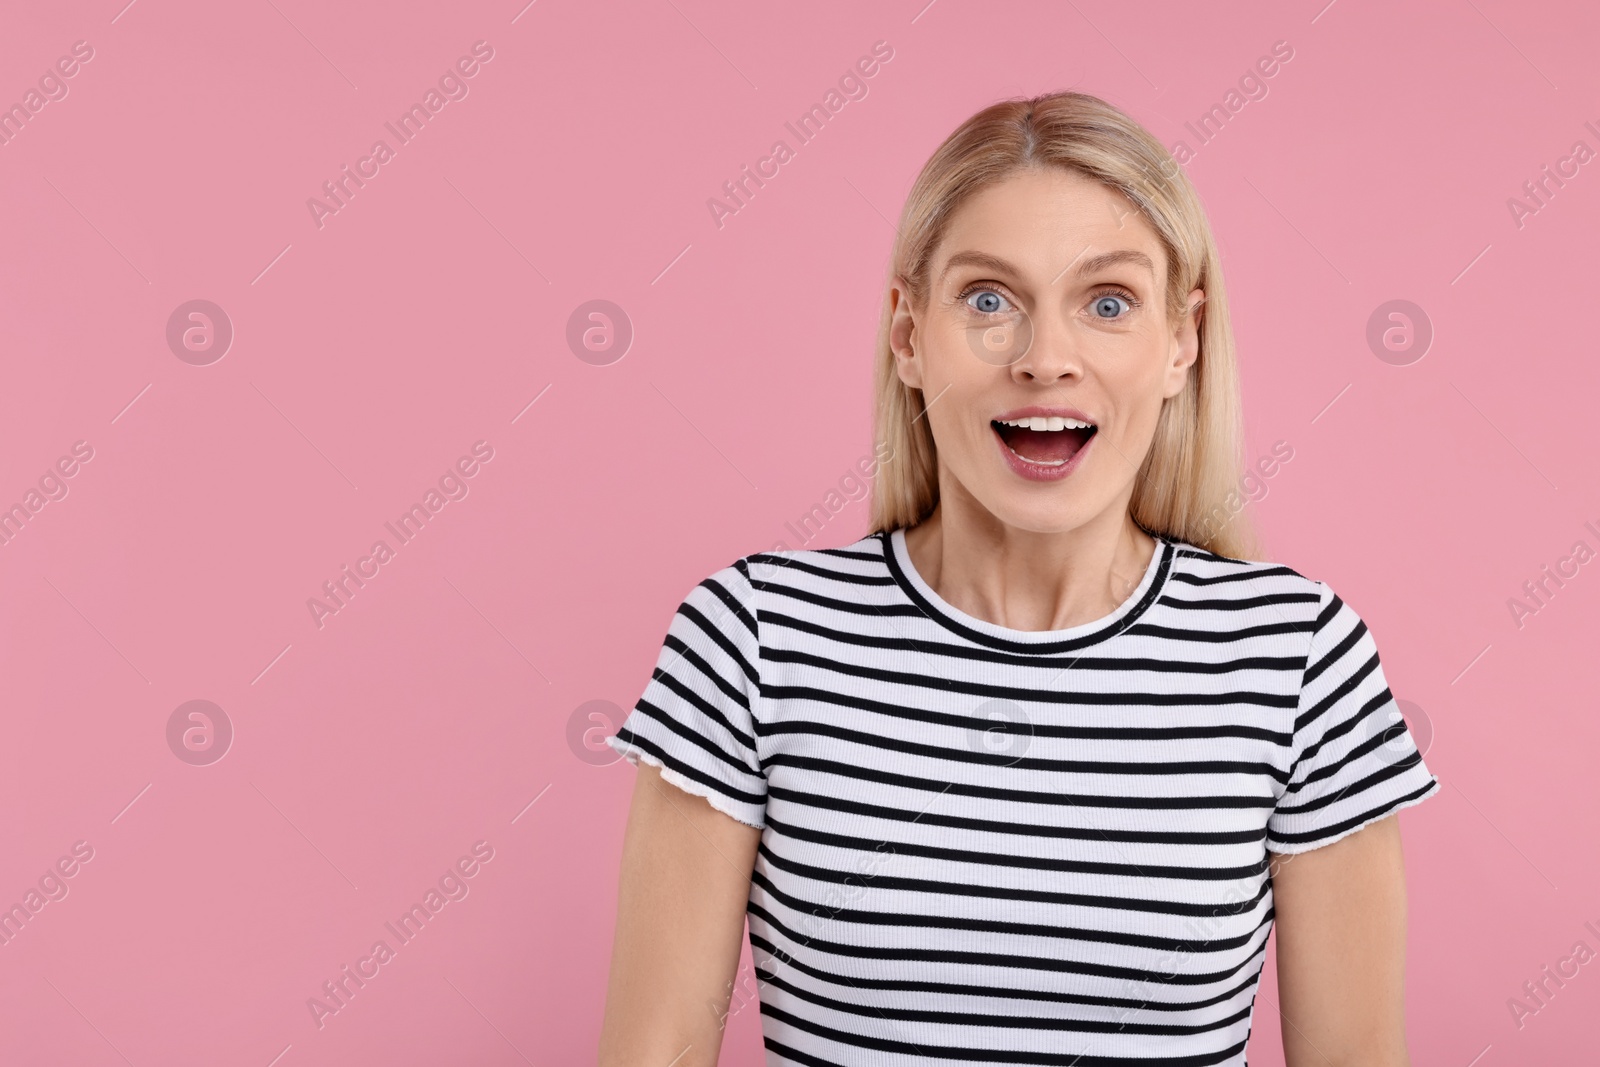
903 334
1196 304
1185 342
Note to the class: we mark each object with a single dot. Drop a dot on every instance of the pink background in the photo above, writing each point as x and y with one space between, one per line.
372 352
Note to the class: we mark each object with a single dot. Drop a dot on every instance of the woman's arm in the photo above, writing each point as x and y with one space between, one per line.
1341 922
680 922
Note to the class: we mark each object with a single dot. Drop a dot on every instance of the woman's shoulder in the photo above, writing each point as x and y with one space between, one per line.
1200 573
853 562
820 576
1214 563
817 570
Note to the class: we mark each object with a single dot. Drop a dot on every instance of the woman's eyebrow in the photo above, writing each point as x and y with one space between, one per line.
1112 258
1090 265
978 259
1116 257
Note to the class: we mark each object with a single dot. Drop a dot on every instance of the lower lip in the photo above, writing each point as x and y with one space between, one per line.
1038 472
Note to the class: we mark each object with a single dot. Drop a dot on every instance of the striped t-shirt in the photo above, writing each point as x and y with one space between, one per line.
983 845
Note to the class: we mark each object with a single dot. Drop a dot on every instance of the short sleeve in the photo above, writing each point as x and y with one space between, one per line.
696 718
1354 759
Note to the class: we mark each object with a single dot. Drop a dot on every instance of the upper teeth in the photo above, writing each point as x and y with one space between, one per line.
1041 422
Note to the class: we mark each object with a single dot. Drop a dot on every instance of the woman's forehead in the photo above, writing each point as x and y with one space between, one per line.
1045 221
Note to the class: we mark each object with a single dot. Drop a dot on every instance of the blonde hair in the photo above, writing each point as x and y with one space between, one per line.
1187 487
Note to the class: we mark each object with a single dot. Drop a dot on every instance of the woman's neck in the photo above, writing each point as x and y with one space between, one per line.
1025 580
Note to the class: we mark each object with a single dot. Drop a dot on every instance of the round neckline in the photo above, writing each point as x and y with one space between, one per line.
993 635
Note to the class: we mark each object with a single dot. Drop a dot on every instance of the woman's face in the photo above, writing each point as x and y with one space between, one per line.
1045 350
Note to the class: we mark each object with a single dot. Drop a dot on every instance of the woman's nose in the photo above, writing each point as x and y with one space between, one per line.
1051 351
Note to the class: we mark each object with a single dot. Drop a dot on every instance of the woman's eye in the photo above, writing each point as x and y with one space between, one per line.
987 301
1108 305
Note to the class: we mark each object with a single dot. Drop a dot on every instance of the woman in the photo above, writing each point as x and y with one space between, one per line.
1027 774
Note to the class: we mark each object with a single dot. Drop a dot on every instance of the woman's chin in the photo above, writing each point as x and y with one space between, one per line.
1042 513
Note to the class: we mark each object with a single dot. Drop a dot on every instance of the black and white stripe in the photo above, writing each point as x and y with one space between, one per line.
985 845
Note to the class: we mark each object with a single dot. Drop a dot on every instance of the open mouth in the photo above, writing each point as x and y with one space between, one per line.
1048 441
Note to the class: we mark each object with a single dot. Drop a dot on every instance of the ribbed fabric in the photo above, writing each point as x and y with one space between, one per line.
984 845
